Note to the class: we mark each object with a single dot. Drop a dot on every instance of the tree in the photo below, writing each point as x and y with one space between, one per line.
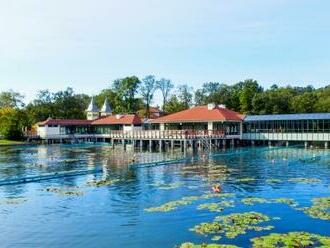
12 122
126 89
304 103
147 91
11 99
165 86
185 95
249 89
173 105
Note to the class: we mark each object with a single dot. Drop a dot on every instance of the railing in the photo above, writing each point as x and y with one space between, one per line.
166 134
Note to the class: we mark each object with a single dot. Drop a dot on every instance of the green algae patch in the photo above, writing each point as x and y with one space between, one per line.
12 201
68 191
291 240
254 200
273 181
320 208
216 206
233 225
192 245
246 179
104 182
304 180
186 200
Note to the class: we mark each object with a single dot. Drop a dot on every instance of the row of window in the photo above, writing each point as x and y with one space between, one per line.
292 126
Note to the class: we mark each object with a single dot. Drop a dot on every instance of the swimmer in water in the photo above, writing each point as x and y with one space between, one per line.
216 188
273 161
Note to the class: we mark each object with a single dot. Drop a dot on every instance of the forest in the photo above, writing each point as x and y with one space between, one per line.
130 94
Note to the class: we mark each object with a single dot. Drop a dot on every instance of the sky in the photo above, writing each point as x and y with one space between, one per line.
86 44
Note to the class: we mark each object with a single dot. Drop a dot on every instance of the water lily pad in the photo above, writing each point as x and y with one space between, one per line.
304 180
233 225
192 245
320 208
291 240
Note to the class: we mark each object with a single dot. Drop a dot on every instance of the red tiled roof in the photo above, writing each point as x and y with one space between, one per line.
64 122
201 114
118 119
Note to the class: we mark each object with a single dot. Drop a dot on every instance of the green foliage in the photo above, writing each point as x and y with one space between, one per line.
291 239
165 86
147 92
12 122
62 104
126 89
185 95
192 245
234 224
11 99
319 209
174 105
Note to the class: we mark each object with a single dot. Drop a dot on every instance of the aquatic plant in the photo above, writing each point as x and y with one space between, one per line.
12 201
216 206
233 225
291 240
168 206
67 191
104 182
186 200
216 238
288 201
304 180
319 209
192 245
169 186
253 200
273 181
246 179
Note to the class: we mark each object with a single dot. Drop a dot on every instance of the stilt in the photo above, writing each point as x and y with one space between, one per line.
326 145
150 145
306 144
160 145
141 145
185 147
172 145
287 144
224 144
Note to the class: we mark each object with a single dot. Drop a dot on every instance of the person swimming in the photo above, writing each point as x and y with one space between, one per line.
216 188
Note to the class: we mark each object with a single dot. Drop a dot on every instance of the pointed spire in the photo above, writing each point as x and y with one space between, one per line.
92 107
106 109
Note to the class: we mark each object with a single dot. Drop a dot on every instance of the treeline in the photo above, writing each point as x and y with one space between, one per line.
130 94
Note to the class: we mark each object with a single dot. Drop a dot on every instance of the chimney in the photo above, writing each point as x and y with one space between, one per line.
210 106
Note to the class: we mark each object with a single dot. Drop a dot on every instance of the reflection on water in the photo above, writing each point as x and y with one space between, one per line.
110 211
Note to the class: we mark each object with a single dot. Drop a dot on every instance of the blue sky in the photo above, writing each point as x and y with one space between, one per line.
48 44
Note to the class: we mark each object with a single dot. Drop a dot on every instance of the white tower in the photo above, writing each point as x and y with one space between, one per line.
92 110
106 109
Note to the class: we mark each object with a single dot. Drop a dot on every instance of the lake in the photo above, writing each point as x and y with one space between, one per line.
263 190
